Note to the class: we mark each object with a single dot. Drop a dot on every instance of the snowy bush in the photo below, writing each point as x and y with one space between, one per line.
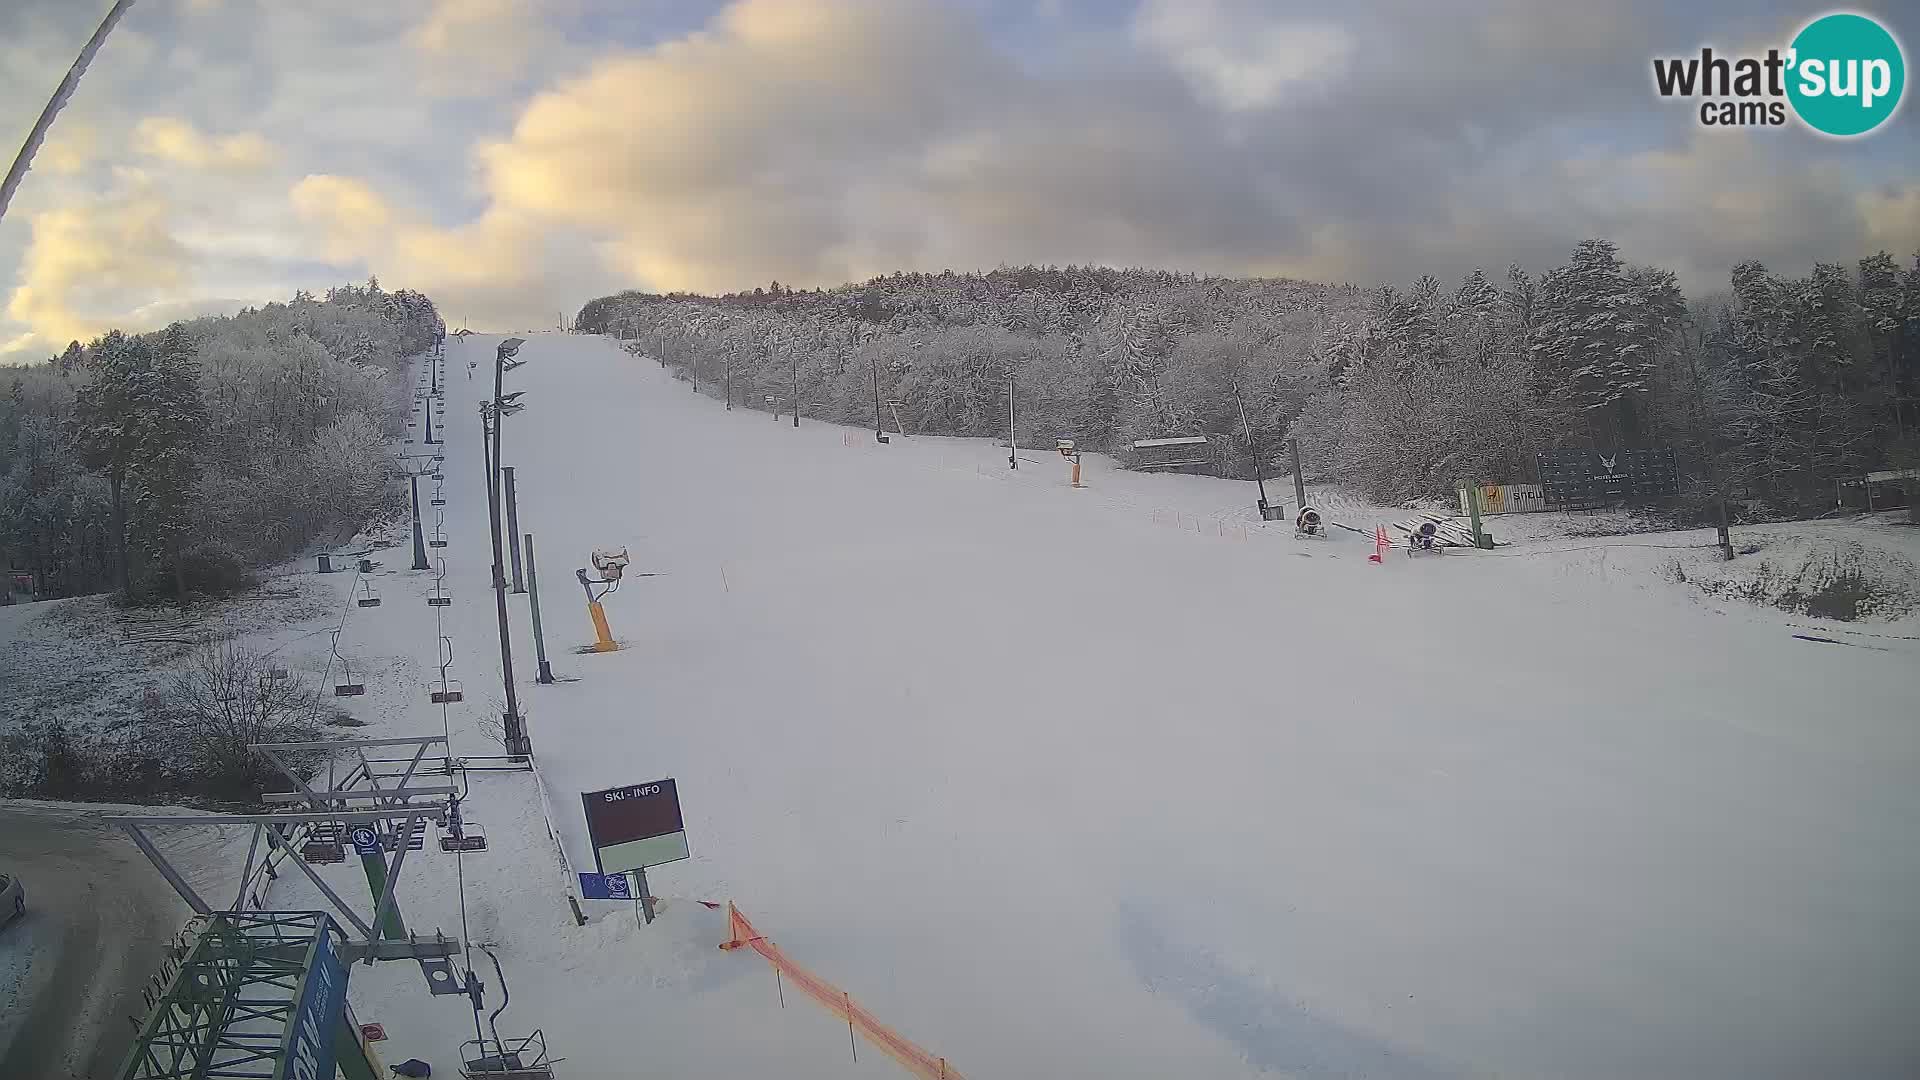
346 473
223 701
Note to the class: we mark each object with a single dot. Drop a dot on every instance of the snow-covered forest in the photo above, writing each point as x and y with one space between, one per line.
1781 386
170 463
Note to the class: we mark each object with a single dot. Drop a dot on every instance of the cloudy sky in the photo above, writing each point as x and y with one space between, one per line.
516 157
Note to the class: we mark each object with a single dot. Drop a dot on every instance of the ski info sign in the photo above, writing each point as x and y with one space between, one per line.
635 827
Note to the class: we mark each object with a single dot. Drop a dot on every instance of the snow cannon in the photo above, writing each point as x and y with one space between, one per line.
1309 523
1072 454
1422 537
611 566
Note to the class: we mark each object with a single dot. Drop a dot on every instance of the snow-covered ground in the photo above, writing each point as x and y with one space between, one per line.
86 663
1117 782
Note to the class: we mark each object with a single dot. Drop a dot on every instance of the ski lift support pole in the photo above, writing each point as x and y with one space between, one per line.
1299 482
1253 447
533 601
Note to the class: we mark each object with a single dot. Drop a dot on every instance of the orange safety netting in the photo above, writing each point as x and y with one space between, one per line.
836 1001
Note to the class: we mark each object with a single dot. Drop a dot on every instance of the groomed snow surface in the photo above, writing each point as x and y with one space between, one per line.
1111 783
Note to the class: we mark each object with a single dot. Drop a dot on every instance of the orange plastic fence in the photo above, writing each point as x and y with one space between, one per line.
836 1001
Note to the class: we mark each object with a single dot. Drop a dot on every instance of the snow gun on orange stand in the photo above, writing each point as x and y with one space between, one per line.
612 568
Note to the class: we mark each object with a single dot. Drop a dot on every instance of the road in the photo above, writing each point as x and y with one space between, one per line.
97 923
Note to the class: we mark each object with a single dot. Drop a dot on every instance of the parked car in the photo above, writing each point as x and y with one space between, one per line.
13 899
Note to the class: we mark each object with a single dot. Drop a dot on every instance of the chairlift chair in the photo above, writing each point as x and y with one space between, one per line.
439 539
438 597
416 836
366 566
522 1058
471 837
323 845
367 598
346 687
449 691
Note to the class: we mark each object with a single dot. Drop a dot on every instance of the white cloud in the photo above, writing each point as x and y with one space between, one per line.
471 47
91 263
177 142
1243 55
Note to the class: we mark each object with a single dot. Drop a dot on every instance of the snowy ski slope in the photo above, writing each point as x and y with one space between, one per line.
1057 789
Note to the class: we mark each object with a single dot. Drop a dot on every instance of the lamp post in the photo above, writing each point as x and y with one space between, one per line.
515 737
519 746
1013 444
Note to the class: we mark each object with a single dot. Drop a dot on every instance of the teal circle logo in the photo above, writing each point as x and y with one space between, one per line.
1847 74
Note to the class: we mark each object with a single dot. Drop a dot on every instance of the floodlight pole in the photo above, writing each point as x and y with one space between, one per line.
795 357
729 378
879 432
517 744
1013 462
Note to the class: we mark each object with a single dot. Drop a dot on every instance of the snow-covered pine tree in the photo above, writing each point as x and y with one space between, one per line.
1472 319
104 434
1424 332
169 420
